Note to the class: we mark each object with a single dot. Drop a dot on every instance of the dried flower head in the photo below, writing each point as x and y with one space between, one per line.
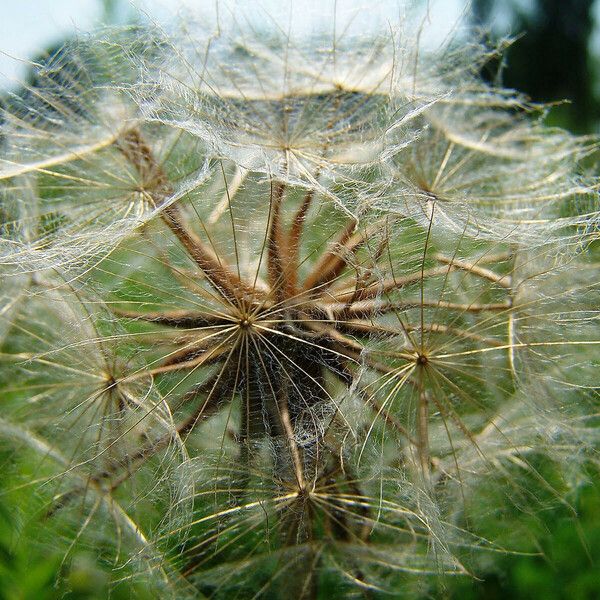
286 305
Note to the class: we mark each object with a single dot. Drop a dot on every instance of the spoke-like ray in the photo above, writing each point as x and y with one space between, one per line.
282 406
176 318
372 308
330 264
140 155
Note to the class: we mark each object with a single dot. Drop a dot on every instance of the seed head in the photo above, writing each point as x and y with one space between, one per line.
285 305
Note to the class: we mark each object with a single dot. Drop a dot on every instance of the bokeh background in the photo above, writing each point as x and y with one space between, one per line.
554 57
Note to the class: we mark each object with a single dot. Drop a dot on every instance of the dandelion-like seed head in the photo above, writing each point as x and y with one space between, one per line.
285 305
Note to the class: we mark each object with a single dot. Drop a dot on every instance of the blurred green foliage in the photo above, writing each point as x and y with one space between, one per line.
550 58
33 571
562 564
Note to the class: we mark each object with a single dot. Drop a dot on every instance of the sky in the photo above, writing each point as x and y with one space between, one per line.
29 26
